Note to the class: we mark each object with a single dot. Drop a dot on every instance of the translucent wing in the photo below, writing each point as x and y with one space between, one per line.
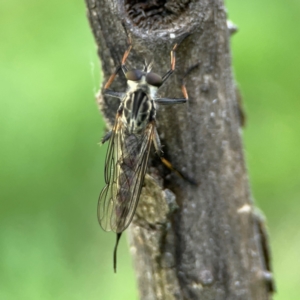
125 167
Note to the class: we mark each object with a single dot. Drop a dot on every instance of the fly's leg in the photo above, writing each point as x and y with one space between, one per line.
157 143
125 56
111 78
173 60
183 87
118 95
173 63
157 146
122 66
167 101
106 137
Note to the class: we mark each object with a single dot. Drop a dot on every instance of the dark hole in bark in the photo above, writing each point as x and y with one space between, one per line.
154 13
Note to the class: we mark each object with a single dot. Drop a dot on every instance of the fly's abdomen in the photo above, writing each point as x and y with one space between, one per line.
127 180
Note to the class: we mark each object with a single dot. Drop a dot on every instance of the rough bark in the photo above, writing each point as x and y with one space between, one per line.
188 242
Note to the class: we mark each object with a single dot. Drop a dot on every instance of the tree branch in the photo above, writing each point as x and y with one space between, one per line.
189 242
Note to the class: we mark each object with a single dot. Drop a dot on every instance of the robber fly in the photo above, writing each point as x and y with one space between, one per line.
130 142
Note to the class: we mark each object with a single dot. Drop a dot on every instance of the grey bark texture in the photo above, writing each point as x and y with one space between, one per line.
188 241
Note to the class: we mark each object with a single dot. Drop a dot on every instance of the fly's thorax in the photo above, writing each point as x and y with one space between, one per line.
138 111
138 108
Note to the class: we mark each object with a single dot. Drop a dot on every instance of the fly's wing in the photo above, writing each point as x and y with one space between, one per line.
125 168
108 193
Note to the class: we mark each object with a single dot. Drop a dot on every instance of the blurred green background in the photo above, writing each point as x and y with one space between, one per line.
51 167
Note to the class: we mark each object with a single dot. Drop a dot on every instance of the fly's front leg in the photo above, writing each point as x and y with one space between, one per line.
167 101
113 76
183 87
173 59
125 56
173 63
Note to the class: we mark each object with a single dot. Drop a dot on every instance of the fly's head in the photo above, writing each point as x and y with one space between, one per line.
149 82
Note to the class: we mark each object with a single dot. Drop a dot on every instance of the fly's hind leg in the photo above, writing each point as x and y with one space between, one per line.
157 143
157 146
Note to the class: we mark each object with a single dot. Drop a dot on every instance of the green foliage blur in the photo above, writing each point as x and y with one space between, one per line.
51 166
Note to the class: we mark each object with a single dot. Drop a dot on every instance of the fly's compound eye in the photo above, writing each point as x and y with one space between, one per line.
134 75
154 79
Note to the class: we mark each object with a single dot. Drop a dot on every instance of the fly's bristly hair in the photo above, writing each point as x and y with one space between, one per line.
148 66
